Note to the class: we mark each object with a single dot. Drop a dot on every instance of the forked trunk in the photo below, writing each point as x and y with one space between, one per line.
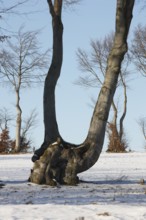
62 162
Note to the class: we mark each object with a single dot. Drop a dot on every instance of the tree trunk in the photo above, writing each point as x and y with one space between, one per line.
50 121
115 114
60 162
117 143
51 127
18 122
124 111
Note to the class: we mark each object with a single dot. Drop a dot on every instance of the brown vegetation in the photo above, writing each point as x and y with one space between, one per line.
7 145
116 144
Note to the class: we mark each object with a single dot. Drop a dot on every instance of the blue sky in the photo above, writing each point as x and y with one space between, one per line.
90 20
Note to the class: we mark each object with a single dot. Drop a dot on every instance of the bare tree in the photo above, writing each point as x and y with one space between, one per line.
61 161
138 49
21 66
142 125
93 64
93 67
28 124
5 118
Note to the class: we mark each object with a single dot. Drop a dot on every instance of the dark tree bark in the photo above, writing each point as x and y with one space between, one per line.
51 127
61 162
50 122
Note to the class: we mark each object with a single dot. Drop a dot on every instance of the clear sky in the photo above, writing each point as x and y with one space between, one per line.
92 19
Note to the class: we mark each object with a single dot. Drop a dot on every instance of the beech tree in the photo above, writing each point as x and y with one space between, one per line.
5 118
22 65
93 67
62 161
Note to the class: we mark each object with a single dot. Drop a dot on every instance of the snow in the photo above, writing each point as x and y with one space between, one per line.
112 189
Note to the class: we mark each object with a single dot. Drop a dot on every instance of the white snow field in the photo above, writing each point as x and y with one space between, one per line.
114 188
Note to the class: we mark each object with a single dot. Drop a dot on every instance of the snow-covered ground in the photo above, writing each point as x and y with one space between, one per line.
112 189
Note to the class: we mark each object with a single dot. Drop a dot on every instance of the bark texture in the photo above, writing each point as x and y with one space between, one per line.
61 162
18 121
50 122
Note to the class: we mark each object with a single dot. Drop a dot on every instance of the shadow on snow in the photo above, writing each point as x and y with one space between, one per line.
87 192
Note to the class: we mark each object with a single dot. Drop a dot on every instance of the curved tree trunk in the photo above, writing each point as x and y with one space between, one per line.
124 111
60 162
50 121
115 114
116 137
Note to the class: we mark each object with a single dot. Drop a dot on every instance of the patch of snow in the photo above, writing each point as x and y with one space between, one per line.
114 188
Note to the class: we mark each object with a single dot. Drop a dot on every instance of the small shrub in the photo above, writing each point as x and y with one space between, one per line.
5 141
7 145
116 144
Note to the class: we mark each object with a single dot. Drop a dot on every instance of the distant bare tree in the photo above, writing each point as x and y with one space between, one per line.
138 49
93 64
28 124
5 118
142 124
22 65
